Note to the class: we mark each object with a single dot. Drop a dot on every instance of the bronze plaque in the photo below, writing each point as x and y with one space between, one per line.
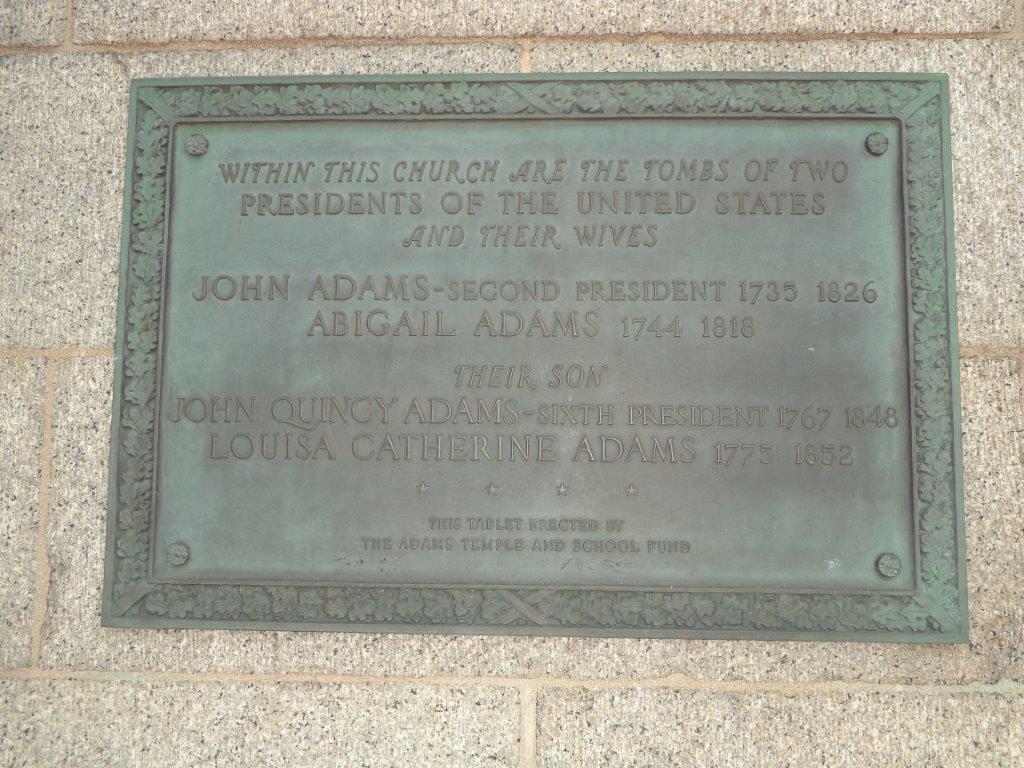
640 355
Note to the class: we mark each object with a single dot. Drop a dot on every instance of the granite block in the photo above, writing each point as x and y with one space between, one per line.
62 133
21 432
33 22
340 60
132 724
160 20
703 729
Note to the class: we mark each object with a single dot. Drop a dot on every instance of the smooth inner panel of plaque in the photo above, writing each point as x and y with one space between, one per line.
691 520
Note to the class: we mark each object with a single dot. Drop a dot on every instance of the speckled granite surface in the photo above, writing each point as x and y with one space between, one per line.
73 693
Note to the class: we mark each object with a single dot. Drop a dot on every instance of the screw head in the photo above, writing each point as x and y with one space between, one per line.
876 143
196 144
178 553
888 564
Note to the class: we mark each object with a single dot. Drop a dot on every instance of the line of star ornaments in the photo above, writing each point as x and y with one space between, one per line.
492 490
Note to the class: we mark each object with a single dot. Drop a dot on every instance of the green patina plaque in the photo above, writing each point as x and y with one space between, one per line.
639 355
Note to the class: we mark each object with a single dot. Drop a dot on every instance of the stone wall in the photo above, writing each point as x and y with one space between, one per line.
73 693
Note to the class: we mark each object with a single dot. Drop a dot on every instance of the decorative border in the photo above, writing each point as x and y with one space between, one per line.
936 612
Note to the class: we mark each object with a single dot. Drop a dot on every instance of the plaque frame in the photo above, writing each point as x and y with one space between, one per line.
936 611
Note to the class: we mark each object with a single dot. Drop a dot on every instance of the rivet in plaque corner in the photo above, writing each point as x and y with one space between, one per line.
178 553
876 143
196 144
888 564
